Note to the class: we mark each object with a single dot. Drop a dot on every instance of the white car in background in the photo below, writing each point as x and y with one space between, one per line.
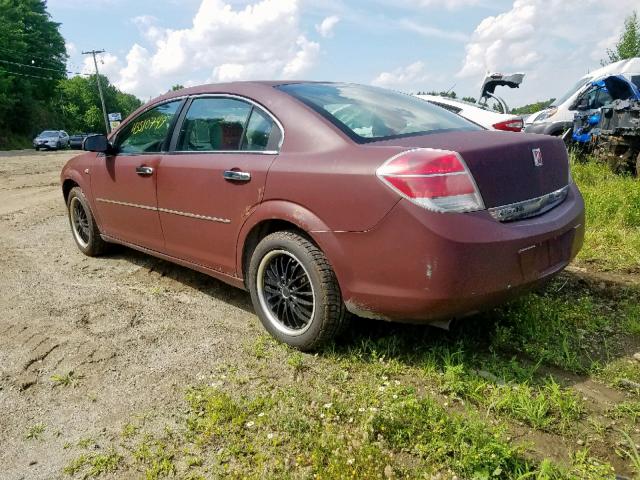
481 113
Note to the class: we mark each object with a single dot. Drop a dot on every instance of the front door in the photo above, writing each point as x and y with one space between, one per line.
124 183
214 178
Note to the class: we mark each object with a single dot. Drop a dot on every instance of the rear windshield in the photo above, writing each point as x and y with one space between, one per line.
370 113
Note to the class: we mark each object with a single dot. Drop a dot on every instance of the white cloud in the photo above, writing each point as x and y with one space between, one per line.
428 31
224 43
412 75
325 28
448 4
553 41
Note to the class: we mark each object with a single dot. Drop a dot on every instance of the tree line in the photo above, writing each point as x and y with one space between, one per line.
35 91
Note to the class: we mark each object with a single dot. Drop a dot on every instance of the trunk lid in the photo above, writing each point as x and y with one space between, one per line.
502 163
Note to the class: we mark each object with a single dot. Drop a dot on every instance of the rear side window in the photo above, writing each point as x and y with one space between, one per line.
214 124
259 130
370 113
226 124
147 133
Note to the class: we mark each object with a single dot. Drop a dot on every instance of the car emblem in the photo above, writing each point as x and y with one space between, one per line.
537 157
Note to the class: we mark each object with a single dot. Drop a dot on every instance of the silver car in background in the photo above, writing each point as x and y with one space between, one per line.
52 140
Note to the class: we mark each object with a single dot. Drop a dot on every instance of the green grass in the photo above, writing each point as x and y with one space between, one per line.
94 465
288 433
612 238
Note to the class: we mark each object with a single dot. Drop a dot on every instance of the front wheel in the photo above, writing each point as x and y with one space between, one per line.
295 291
83 225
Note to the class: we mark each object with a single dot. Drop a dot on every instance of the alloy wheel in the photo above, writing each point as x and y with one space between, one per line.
285 292
80 222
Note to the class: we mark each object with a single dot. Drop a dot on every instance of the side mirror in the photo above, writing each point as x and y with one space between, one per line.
96 143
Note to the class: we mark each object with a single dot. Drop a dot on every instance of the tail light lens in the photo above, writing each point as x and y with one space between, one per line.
437 180
514 125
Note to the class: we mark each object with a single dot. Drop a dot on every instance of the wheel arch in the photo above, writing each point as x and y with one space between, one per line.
67 185
273 216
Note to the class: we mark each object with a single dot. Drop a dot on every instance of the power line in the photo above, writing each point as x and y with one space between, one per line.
25 74
25 54
33 66
41 68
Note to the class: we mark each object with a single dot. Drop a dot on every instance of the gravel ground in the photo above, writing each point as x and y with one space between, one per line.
134 330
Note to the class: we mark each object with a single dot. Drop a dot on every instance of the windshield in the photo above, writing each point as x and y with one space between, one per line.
581 83
48 133
370 113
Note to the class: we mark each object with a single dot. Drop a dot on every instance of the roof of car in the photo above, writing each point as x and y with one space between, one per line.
244 87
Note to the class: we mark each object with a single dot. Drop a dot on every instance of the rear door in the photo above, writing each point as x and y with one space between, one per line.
214 177
124 184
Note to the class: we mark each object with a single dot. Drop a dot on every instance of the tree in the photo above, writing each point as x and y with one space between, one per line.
532 107
177 87
32 62
628 45
80 103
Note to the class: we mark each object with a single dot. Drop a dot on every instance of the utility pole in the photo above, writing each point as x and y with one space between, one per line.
104 108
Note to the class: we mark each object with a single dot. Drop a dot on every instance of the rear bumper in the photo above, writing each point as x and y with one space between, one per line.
419 266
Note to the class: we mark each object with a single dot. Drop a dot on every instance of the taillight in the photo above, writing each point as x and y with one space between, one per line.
514 125
437 180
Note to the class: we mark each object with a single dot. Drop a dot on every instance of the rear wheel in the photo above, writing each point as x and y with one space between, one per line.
295 291
83 226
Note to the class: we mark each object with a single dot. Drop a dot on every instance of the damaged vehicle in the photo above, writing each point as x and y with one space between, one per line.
618 141
614 129
324 199
482 112
557 119
586 122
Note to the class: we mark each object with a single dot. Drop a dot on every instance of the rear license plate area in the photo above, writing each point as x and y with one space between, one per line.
541 258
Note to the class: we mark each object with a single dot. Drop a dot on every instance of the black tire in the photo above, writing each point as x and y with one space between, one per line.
84 229
309 265
37 149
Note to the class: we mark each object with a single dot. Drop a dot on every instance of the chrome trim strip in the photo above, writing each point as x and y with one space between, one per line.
165 210
126 204
529 208
194 215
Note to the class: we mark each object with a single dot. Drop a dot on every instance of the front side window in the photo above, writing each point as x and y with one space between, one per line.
369 113
147 133
214 124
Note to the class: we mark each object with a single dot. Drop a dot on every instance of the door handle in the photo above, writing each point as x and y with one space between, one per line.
236 176
144 171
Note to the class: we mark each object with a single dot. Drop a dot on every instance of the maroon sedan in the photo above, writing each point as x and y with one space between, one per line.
326 198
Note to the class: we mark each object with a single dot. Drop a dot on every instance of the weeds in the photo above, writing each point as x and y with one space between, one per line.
69 379
94 465
35 432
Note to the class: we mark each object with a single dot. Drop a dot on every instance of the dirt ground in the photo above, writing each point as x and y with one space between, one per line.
137 330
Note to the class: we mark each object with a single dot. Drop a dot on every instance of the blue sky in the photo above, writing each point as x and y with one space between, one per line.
408 45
